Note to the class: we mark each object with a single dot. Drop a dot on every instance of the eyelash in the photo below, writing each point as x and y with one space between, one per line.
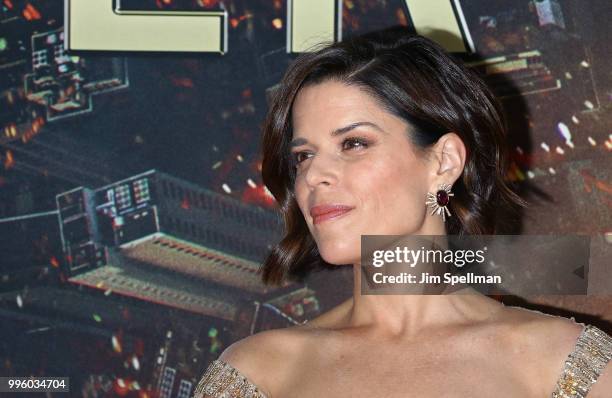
361 141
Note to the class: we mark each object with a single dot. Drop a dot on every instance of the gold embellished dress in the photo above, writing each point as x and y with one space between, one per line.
582 367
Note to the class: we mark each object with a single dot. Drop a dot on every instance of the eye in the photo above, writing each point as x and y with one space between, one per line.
354 142
299 157
349 143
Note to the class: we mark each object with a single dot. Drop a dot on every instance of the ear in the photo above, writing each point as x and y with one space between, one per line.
448 158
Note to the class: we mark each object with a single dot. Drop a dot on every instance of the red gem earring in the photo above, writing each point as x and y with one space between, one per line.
438 201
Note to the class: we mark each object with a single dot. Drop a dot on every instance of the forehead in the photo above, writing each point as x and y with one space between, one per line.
331 104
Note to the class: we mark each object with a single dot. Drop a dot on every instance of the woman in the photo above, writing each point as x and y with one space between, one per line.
360 135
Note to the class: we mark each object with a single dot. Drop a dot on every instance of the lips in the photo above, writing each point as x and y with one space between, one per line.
327 212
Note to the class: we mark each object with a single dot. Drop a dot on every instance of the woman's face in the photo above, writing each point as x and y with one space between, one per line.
351 152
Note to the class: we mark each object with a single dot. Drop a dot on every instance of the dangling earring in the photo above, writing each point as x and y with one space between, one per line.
439 201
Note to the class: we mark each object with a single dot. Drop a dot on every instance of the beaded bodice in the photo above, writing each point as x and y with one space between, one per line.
222 380
592 352
584 365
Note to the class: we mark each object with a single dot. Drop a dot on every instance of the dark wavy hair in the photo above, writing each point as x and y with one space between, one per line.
413 78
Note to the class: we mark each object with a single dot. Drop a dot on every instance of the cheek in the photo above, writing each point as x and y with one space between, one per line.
394 194
301 197
389 193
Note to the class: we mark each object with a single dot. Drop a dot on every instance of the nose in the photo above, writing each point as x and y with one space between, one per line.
322 170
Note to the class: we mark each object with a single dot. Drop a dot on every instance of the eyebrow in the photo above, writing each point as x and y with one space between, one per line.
337 132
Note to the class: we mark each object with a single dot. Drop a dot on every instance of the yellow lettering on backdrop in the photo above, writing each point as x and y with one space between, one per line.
95 25
310 22
436 20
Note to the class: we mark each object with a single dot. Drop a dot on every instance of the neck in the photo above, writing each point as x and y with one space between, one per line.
406 315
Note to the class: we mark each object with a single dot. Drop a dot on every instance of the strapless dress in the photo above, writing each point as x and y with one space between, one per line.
582 367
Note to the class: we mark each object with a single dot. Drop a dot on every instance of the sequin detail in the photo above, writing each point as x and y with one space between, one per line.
583 366
221 380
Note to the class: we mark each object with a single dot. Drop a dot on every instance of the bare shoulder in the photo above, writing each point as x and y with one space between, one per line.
541 329
264 358
258 346
270 358
542 342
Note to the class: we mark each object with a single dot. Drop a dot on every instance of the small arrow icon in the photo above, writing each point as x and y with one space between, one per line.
579 272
